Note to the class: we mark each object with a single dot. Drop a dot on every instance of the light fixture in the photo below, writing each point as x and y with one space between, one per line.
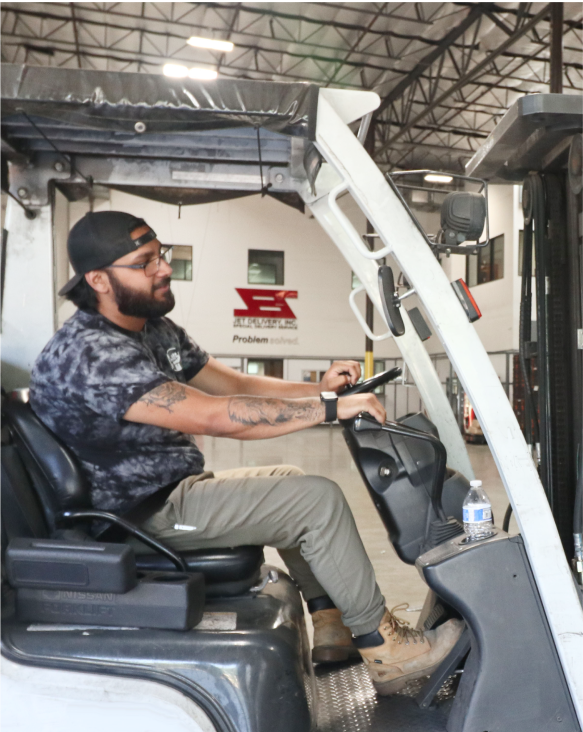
203 74
437 178
175 70
210 43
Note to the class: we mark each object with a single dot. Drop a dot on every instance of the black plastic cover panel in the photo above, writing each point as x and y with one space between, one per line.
115 102
172 601
83 565
512 680
398 471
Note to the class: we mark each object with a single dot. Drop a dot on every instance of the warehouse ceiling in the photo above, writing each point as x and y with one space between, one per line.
446 72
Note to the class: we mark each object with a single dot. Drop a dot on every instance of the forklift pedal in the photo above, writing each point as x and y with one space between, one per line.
445 669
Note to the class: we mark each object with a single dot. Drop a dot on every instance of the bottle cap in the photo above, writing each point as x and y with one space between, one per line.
475 483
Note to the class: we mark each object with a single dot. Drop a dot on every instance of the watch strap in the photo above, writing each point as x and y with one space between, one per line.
331 407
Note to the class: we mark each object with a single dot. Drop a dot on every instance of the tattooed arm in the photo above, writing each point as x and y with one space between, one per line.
183 408
219 380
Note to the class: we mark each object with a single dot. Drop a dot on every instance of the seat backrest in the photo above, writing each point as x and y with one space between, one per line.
22 516
53 469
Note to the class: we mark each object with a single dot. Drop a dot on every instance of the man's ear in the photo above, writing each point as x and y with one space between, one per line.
98 280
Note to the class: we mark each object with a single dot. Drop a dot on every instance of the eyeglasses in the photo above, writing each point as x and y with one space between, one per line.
152 265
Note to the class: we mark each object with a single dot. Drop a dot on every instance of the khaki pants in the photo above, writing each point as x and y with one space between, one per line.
305 517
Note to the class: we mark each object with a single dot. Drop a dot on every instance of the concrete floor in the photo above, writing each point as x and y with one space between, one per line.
322 451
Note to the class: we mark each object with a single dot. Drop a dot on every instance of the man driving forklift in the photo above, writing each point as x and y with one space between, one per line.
126 389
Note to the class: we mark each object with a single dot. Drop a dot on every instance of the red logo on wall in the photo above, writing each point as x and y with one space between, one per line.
266 303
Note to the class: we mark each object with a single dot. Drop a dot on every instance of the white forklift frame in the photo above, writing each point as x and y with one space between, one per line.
29 309
357 173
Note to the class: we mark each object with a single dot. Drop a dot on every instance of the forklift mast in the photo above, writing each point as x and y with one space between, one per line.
544 135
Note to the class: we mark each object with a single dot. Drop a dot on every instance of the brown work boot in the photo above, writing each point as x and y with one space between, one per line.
332 639
407 654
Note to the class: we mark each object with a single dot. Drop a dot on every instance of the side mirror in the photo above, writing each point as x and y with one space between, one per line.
463 216
390 300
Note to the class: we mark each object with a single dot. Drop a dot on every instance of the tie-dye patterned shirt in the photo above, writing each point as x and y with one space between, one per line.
85 380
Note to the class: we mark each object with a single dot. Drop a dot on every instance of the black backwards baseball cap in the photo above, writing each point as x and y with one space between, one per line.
100 238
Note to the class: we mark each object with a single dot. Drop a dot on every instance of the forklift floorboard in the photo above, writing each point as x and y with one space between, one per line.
349 703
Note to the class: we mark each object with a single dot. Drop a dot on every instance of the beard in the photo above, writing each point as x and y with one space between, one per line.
139 304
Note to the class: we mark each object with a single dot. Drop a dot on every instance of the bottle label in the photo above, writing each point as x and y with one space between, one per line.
476 514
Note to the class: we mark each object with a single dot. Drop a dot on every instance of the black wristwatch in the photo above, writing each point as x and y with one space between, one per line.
330 401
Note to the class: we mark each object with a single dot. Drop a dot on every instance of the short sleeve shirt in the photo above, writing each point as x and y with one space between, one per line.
83 383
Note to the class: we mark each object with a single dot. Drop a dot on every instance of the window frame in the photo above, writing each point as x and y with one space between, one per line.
477 259
279 265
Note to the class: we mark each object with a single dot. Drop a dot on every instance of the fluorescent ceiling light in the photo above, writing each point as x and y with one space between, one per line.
436 178
225 46
203 74
175 70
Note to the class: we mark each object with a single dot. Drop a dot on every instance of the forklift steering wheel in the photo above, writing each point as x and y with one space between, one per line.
372 383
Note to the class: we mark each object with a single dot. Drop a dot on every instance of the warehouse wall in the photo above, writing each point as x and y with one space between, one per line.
221 235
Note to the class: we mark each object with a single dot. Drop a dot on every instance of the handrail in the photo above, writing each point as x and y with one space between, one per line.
361 320
84 514
349 228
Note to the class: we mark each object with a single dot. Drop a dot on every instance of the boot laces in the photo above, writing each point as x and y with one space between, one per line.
400 629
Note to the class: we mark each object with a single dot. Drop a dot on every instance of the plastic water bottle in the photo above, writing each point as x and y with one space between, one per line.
477 512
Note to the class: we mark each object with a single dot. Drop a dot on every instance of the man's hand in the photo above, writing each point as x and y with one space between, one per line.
339 375
350 406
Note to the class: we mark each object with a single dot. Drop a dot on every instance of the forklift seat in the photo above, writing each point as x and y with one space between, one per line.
41 478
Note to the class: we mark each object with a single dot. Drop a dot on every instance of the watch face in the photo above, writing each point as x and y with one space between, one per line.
329 395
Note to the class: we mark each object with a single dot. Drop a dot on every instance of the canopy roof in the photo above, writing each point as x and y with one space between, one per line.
240 124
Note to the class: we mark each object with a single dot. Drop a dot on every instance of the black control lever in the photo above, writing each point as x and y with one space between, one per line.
372 383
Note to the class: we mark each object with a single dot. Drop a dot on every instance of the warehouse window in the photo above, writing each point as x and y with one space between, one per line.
313 377
181 262
265 267
487 265
266 367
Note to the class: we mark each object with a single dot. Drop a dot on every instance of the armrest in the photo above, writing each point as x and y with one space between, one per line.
82 515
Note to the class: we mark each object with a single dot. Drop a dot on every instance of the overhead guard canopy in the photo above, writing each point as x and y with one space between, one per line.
223 134
115 102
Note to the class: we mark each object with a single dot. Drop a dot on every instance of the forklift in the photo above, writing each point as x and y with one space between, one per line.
95 634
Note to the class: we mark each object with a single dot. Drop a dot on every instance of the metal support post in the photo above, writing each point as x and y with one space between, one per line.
368 344
556 71
28 316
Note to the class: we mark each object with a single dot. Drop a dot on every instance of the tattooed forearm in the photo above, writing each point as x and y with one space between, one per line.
165 396
252 411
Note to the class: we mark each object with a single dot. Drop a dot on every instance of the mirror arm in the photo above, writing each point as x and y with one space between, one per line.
407 294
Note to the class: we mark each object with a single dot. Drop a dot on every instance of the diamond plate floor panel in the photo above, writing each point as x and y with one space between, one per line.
349 703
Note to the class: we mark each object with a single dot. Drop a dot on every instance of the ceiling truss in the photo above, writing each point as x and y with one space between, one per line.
446 72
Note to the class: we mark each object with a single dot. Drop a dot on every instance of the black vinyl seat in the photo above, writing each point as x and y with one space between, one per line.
42 482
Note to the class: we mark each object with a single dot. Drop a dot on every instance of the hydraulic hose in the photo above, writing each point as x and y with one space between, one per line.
531 424
536 229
